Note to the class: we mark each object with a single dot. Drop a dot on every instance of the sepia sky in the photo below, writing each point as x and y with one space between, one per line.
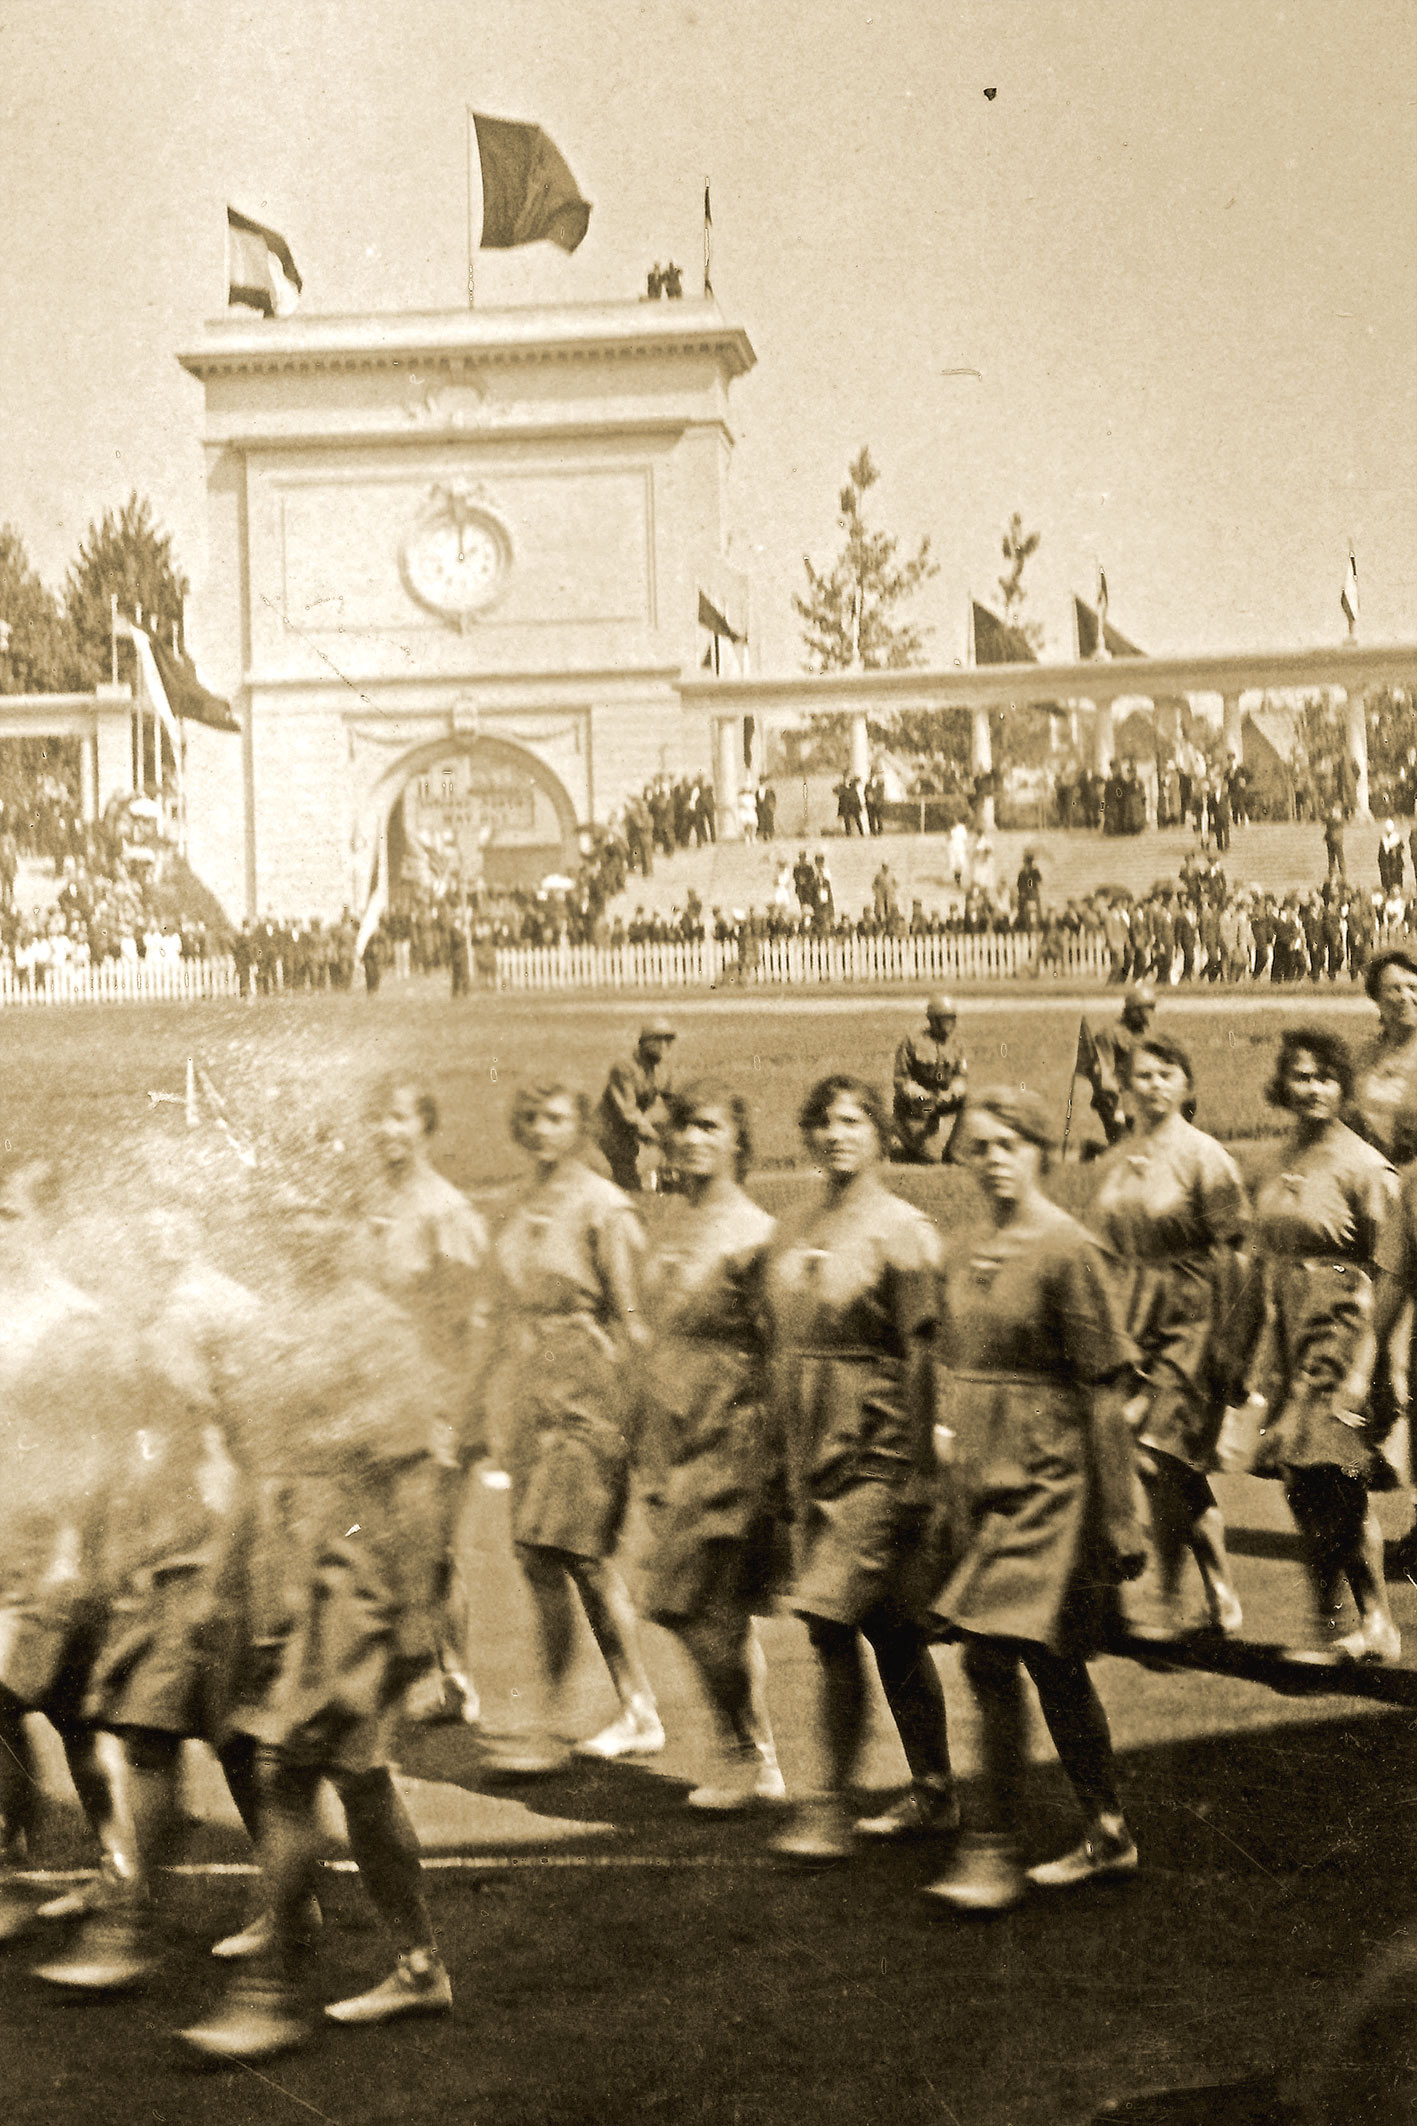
1179 245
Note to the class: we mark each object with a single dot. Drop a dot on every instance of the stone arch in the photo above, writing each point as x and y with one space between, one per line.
510 860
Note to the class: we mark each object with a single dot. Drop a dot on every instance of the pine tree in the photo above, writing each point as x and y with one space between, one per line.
36 646
1018 548
129 555
849 611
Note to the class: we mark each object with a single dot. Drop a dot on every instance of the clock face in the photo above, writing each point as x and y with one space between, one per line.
455 564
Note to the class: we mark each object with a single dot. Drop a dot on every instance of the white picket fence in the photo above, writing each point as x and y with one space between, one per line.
794 962
122 982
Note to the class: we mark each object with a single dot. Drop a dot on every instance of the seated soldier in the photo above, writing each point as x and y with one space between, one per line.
929 1088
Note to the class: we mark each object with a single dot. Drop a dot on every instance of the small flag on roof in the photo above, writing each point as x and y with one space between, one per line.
260 270
1349 596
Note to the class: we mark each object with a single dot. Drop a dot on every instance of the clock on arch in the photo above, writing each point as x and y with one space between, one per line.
456 559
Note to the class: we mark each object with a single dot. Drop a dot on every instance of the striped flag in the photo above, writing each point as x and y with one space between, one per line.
260 270
708 242
1348 598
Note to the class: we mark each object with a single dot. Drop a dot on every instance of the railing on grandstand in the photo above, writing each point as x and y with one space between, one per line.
793 961
119 982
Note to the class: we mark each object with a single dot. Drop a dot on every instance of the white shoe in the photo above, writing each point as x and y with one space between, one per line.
634 1734
255 1938
77 1903
1376 1641
260 2019
742 1777
417 1985
928 1809
1106 1854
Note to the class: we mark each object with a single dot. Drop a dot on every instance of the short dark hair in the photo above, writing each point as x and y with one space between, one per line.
1162 1045
691 1099
528 1100
1329 1050
1395 956
841 1084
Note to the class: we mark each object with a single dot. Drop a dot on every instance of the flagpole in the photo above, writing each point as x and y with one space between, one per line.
471 242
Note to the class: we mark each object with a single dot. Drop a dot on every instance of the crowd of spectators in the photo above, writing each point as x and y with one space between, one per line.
108 901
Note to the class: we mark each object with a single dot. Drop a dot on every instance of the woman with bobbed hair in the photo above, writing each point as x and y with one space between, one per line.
1038 1370
1171 1212
1316 1231
853 1290
1383 1106
1383 1109
713 1475
567 1311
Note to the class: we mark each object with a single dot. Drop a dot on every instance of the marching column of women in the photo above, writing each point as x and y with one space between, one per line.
960 1468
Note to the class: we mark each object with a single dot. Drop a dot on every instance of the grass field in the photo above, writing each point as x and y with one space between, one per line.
76 1082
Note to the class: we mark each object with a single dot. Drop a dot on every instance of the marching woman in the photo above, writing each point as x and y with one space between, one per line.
67 1374
854 1294
568 1263
1384 1101
713 1477
1384 1110
1037 1369
1171 1213
342 1407
425 1245
177 1559
1317 1223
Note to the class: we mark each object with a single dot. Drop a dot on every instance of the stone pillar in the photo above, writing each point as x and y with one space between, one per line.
725 781
1234 731
88 776
1358 751
1103 739
981 761
860 744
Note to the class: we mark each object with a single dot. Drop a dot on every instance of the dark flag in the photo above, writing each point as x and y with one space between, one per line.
708 242
527 191
1117 644
995 642
186 696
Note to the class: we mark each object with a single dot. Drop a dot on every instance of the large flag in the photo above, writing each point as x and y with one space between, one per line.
1086 617
1349 596
260 269
527 191
995 642
708 242
191 701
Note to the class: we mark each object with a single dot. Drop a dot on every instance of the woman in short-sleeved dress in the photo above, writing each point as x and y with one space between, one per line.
1317 1222
344 1409
1384 1110
1171 1212
712 1470
854 1294
1036 1369
567 1308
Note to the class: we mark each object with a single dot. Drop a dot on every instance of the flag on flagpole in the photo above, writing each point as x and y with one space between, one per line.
708 242
260 270
527 190
1349 596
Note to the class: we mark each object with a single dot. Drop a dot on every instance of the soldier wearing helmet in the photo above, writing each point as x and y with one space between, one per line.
1107 1064
633 1108
930 1081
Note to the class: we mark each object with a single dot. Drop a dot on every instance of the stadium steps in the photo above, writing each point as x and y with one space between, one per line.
737 875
